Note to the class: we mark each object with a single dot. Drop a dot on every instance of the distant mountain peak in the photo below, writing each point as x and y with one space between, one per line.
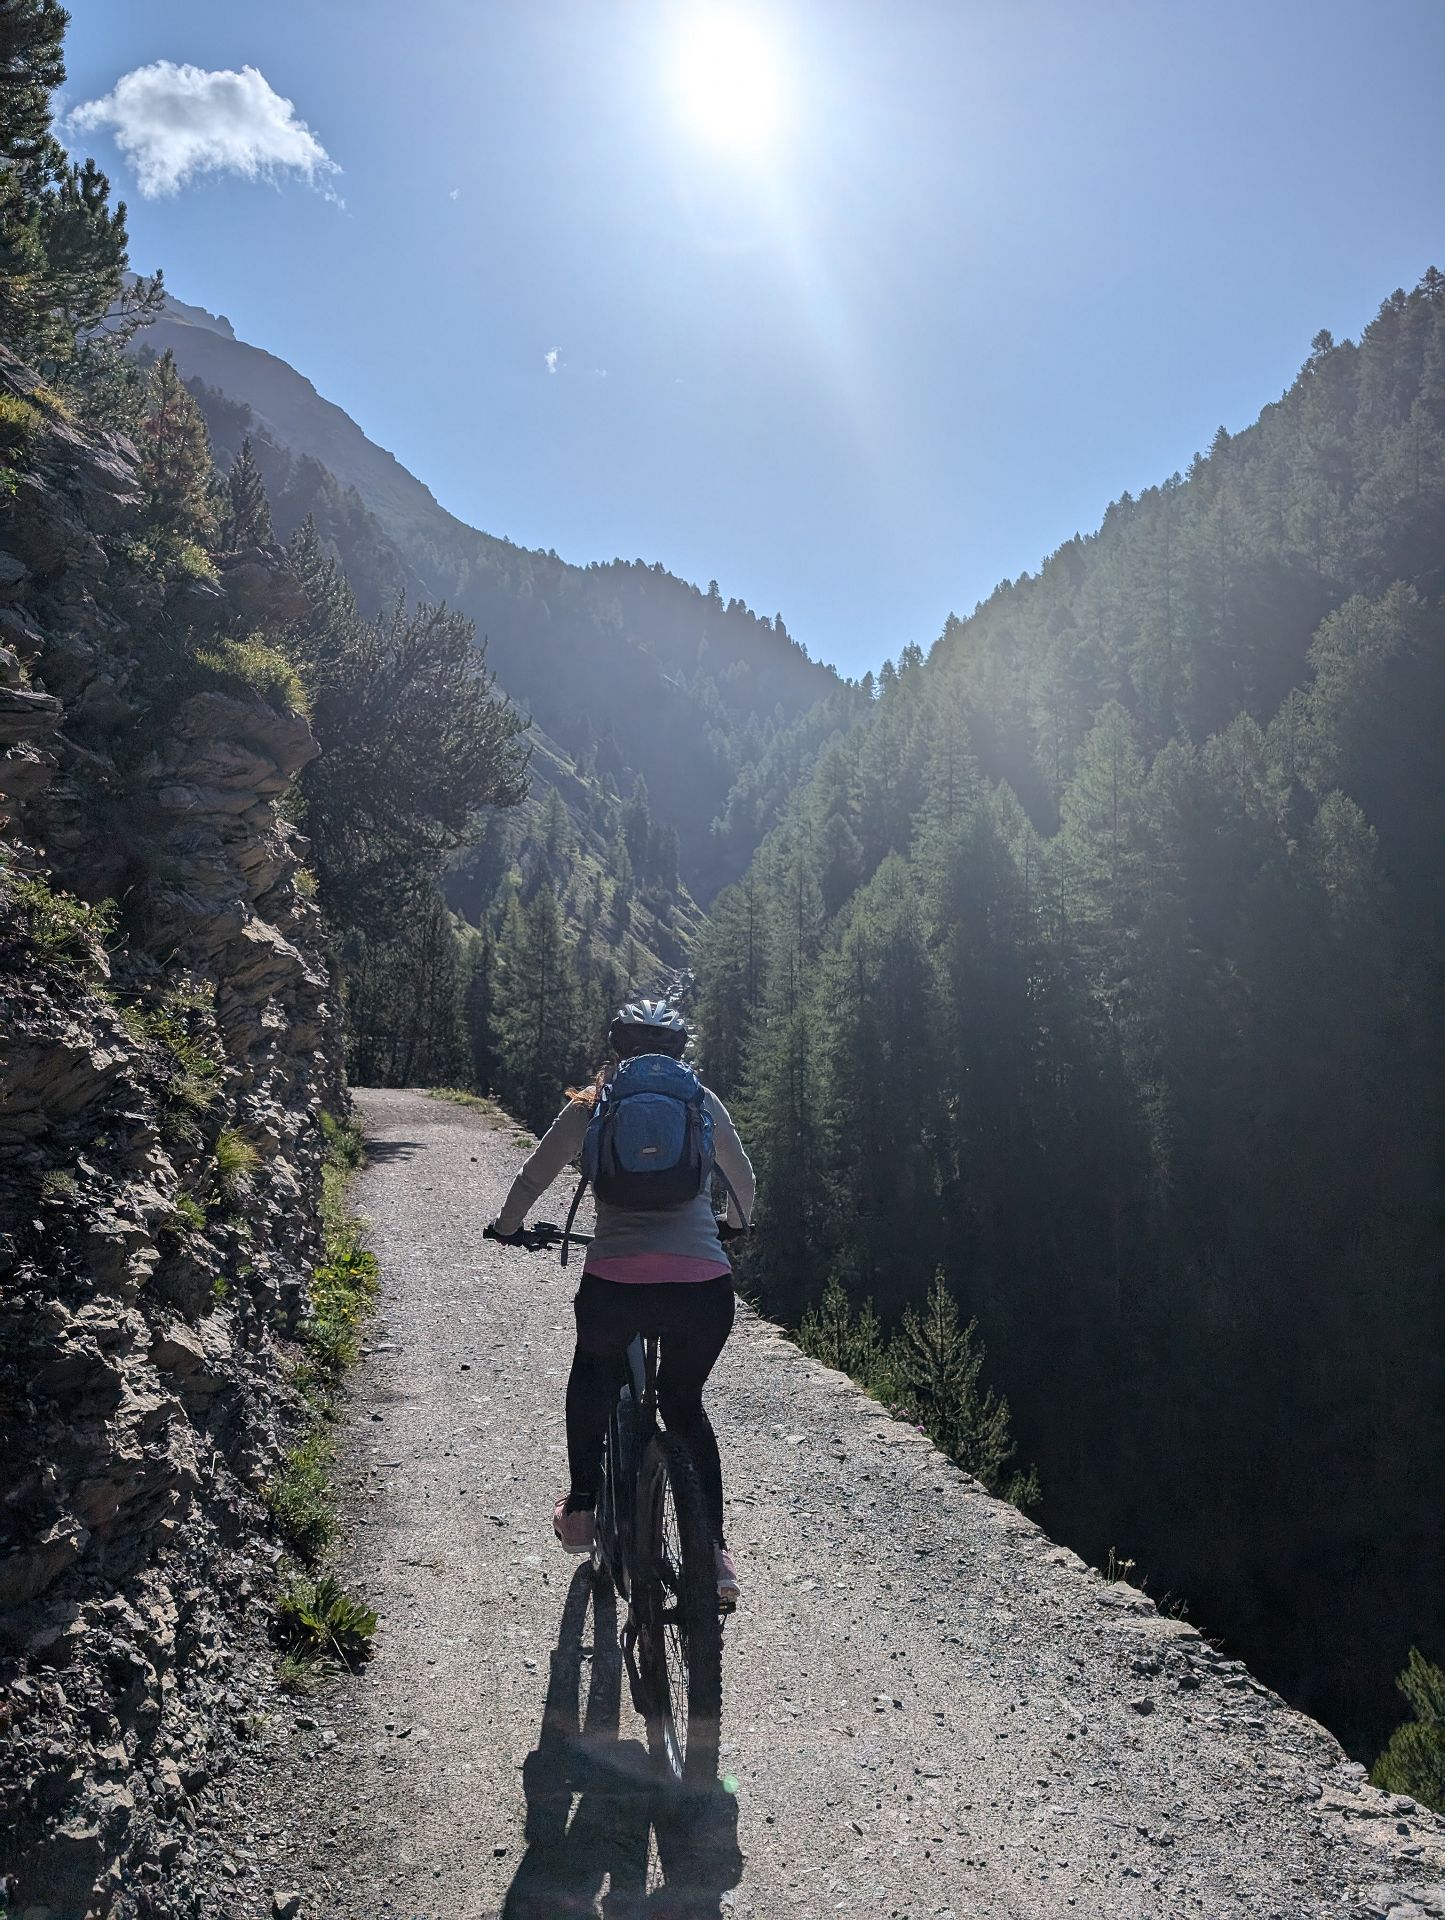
189 316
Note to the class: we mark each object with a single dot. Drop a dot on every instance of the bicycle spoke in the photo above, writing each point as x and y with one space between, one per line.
674 1625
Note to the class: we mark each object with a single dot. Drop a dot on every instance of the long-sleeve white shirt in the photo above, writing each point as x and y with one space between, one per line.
689 1230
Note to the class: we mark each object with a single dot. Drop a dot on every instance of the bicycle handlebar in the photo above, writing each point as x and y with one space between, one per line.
534 1239
546 1233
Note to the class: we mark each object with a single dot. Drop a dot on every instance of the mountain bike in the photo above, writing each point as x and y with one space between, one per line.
654 1546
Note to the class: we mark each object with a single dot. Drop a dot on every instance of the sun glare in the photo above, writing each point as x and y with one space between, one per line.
728 83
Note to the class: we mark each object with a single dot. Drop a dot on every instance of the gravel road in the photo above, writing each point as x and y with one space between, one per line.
930 1709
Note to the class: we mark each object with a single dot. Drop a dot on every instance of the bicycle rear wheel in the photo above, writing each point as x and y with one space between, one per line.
679 1637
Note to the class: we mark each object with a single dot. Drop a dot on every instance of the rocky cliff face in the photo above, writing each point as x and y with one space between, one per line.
168 1043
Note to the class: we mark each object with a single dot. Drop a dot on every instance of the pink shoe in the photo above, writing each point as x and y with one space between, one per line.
729 1589
577 1530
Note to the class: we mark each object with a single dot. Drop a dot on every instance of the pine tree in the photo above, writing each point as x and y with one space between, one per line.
877 1090
637 828
32 68
478 1013
850 1341
63 247
1101 841
1414 1760
415 745
176 457
537 1038
247 521
936 1367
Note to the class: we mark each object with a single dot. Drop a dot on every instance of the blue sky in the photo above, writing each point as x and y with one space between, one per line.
979 268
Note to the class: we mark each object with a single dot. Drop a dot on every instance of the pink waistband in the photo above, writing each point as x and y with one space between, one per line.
648 1269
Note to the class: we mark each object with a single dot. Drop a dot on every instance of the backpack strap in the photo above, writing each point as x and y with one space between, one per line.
572 1215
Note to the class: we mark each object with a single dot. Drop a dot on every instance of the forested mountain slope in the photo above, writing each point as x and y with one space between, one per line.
618 659
1100 966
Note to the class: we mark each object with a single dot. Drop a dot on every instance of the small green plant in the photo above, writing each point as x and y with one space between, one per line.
65 933
297 1675
187 1216
251 666
345 1144
220 1290
169 1024
19 423
190 559
59 1188
318 1617
342 1290
52 403
300 1501
179 1026
305 883
345 1151
1118 1569
236 1161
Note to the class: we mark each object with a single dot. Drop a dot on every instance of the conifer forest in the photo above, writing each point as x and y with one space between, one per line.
1076 979
1099 968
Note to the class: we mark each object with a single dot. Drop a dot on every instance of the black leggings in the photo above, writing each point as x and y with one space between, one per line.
694 1318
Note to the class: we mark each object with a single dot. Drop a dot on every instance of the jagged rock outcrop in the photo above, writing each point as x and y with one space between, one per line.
165 1060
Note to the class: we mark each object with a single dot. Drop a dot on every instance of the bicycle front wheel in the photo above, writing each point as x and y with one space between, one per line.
679 1637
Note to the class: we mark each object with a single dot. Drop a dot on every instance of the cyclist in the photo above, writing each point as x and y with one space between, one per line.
659 1270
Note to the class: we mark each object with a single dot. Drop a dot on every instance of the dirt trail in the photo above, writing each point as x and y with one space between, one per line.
930 1709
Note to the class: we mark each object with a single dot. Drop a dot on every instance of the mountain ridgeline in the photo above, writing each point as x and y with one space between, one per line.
626 667
1099 967
667 729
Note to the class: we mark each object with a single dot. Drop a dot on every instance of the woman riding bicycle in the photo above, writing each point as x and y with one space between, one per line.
656 1270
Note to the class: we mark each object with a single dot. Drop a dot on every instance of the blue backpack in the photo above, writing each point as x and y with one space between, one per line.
649 1141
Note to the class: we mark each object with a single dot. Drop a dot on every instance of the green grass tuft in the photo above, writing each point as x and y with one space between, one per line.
52 403
297 1675
315 1618
461 1098
187 1216
19 423
59 1188
236 1161
300 1499
342 1291
251 666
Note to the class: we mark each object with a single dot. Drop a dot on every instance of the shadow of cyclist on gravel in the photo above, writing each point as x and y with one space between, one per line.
660 1856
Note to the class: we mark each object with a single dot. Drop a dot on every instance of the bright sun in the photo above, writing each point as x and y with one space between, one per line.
727 80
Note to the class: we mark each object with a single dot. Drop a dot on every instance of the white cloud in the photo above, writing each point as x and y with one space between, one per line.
455 194
551 359
173 123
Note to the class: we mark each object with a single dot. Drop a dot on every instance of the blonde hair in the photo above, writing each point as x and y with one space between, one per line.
589 1095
